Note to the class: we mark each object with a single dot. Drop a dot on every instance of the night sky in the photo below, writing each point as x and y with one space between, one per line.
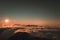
30 10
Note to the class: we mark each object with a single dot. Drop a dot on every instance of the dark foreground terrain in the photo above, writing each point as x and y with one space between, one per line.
8 34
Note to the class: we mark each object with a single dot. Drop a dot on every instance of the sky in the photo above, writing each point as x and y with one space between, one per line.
30 10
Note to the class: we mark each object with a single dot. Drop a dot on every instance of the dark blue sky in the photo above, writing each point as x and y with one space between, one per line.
30 10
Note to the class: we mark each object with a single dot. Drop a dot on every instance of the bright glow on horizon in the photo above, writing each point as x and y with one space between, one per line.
6 20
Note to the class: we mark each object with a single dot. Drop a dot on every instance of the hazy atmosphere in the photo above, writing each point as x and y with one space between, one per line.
32 10
29 20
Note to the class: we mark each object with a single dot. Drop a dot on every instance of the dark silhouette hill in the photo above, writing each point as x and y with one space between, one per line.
20 36
25 36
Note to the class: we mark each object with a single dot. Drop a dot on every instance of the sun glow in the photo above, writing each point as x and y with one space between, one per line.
6 20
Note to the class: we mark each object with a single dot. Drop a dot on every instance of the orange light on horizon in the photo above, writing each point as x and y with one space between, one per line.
6 20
